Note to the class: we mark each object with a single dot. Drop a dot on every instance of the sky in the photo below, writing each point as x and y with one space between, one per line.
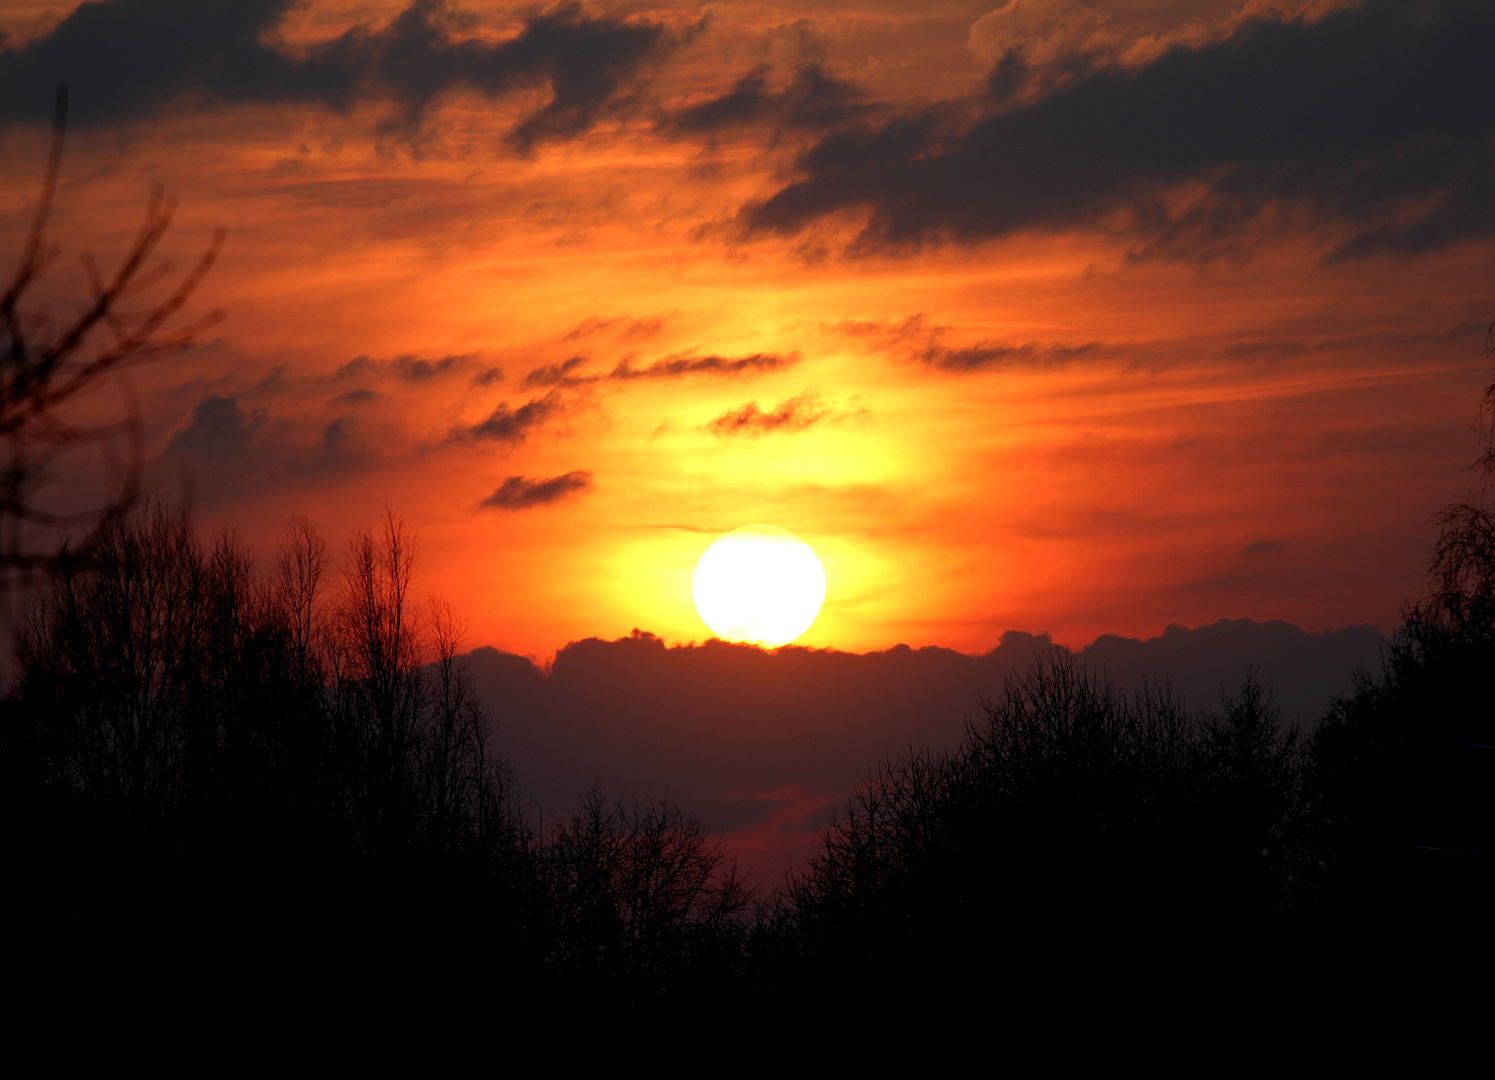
1051 316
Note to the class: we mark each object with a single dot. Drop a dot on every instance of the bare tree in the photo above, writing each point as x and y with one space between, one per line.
1461 601
46 365
301 563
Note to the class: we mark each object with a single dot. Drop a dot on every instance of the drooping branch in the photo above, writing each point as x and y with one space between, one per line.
41 372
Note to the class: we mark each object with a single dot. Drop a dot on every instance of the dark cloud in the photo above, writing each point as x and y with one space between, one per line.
219 427
562 374
488 377
812 99
506 425
733 731
522 493
230 448
791 414
985 355
674 366
926 344
409 368
335 435
416 369
361 396
628 329
1380 117
124 58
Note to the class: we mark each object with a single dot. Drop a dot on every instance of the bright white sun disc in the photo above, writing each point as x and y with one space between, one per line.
759 584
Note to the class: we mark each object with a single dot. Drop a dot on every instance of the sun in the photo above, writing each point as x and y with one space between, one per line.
759 584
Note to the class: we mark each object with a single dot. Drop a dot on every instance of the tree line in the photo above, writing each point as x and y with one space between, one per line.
231 765
208 755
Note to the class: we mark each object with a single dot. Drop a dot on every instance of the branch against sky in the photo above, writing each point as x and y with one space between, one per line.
44 366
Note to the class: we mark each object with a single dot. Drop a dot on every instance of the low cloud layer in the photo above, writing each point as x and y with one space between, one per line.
126 58
765 745
1377 119
522 493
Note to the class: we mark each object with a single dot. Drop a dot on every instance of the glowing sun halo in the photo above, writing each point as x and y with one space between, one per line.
759 584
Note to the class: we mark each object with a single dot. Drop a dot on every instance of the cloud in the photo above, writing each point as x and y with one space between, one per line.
230 448
410 368
1262 547
522 493
812 99
925 344
1377 118
1033 47
791 414
512 426
628 329
559 374
218 427
126 58
985 355
672 367
359 396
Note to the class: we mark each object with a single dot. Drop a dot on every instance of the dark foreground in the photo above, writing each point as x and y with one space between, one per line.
222 790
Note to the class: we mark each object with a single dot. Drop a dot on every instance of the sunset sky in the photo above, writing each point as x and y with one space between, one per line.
1052 316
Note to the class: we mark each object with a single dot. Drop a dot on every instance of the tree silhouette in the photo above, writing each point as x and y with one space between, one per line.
1077 843
641 896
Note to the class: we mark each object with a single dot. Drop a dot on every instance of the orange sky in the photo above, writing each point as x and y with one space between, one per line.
1256 429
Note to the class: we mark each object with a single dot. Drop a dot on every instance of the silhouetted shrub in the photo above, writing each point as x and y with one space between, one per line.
640 896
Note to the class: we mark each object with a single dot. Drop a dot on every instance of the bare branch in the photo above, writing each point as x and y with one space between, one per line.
40 371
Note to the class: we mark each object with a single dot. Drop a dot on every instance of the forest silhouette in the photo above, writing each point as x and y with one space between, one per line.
205 769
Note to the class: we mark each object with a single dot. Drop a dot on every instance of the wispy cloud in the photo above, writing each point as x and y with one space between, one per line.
671 367
791 414
561 374
522 493
508 425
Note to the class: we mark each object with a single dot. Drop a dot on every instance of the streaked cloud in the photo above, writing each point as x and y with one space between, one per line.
511 426
673 367
522 493
791 414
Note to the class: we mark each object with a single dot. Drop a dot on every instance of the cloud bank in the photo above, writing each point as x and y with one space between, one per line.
764 745
1379 118
126 58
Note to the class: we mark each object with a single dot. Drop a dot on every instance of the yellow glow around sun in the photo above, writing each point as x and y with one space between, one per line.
759 584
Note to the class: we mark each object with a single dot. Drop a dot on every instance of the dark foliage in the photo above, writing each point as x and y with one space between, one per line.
251 771
1075 835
